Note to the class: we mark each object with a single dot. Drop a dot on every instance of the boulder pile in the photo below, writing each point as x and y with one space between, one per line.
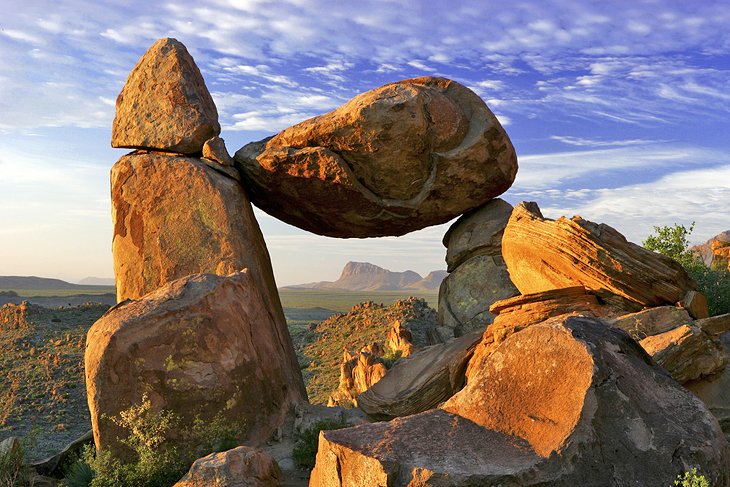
537 369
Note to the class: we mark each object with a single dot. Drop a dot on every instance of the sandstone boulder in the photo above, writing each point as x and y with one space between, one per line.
562 403
714 390
421 381
201 346
478 232
164 104
392 160
467 292
240 467
652 321
176 216
686 352
543 254
517 313
714 325
214 149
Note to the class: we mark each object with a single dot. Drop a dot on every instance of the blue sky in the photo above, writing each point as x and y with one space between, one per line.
619 110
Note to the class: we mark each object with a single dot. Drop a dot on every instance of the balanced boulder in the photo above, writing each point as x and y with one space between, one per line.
200 346
562 403
165 104
543 254
399 158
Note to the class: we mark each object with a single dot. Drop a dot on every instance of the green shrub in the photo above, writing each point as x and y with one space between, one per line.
714 284
691 479
391 357
304 452
157 459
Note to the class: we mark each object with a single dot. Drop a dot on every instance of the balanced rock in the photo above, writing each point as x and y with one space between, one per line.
199 346
240 467
214 149
420 381
563 403
543 254
176 216
165 104
399 158
686 352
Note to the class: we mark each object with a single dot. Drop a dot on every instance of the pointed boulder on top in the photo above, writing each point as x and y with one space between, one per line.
165 104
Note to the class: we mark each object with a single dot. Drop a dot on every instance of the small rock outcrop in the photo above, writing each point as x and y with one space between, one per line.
601 414
165 104
358 371
399 158
715 253
240 467
543 254
199 346
420 381
477 273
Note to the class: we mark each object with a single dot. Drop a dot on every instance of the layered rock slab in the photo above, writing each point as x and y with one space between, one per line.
174 216
529 419
543 254
199 346
392 160
420 381
165 104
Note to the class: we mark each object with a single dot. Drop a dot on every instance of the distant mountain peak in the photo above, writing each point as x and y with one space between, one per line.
364 276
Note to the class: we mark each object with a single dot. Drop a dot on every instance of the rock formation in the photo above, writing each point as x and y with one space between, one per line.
240 467
715 253
714 390
579 252
358 371
392 160
164 104
477 273
199 346
420 381
601 414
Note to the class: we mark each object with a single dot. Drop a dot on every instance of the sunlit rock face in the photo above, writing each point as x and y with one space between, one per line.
716 252
566 402
392 160
543 254
199 346
165 104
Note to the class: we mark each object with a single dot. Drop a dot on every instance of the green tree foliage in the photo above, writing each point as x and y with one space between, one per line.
673 241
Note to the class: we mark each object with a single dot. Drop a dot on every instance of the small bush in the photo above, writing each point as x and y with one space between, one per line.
714 284
691 479
304 452
157 459
391 357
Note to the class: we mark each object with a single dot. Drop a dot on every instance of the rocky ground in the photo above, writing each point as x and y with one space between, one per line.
42 375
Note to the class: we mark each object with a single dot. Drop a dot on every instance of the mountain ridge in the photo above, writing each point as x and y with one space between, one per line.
364 276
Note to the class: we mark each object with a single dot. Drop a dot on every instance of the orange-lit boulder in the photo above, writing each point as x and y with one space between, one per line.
165 104
392 160
543 254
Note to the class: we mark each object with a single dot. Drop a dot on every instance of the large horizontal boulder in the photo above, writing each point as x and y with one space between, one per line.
395 159
165 104
420 381
200 346
543 254
242 466
562 403
651 321
174 216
